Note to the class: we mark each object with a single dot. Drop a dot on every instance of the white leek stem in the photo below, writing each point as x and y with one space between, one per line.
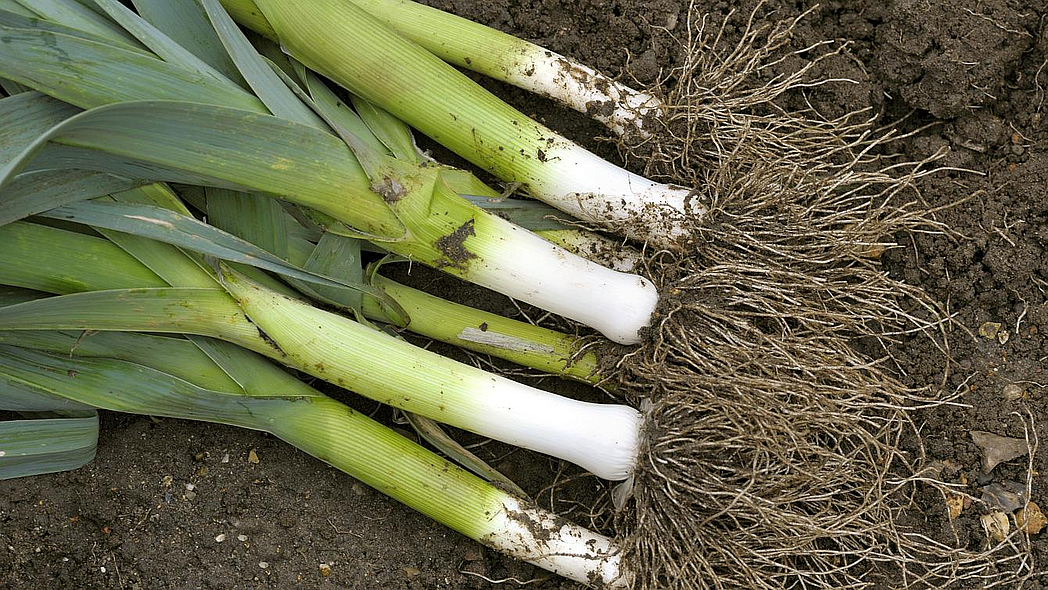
579 182
345 43
554 544
521 264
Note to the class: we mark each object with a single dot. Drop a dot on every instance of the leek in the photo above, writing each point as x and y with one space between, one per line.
423 219
342 41
602 438
305 418
499 55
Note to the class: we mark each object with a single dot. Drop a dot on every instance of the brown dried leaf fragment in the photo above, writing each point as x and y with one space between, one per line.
955 504
996 525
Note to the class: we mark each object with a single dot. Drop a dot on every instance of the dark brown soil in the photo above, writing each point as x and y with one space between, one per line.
970 75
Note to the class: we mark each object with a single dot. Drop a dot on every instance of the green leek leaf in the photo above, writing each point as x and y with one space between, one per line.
105 73
187 24
159 43
75 15
266 84
35 192
186 232
47 445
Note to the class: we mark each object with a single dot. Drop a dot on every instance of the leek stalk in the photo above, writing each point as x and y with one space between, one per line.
602 438
499 55
339 39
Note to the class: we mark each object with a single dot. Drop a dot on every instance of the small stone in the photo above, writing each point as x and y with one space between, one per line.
167 481
474 553
241 538
190 495
225 458
412 572
1006 496
1013 392
997 449
1030 519
1003 336
264 565
199 457
989 329
190 487
220 538
252 456
325 570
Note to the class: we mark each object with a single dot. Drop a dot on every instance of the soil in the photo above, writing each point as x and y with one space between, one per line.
174 504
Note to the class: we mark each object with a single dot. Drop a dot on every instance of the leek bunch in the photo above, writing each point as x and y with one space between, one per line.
749 365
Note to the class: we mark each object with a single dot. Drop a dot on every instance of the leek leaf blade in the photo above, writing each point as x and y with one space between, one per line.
186 23
47 445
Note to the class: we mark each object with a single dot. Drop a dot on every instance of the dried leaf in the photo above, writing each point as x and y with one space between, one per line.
955 504
1030 519
997 449
996 525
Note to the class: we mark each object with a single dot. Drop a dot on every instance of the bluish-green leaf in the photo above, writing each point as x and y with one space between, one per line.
187 24
77 16
25 117
16 295
337 256
178 357
127 387
531 215
217 146
89 73
47 445
35 192
159 43
266 84
186 232
258 219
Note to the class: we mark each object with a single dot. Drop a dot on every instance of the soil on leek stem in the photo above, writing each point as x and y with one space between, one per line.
172 504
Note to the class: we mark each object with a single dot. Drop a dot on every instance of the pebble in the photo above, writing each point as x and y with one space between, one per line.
1012 392
989 329
263 564
225 458
325 570
220 538
241 538
252 456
